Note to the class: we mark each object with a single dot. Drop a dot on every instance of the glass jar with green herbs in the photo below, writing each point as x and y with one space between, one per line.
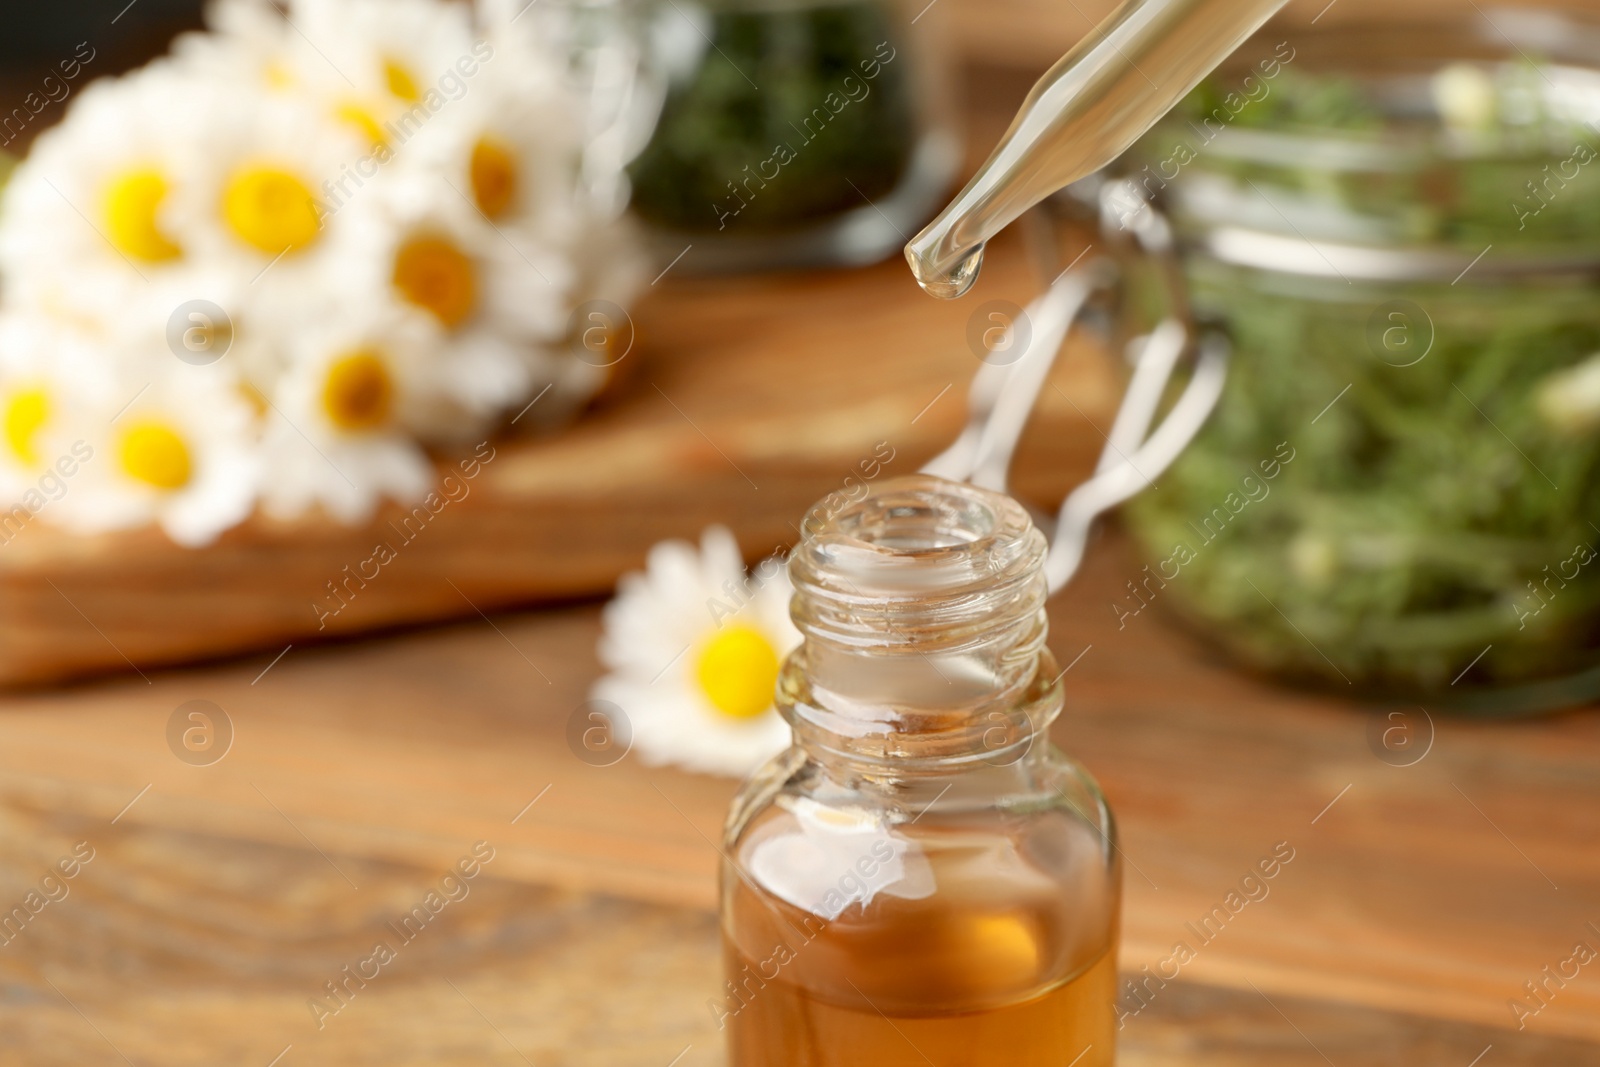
793 131
1398 494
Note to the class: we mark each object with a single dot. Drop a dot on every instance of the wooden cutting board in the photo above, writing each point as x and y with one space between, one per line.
743 402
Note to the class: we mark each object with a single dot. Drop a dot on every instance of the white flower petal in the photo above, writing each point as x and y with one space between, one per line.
654 633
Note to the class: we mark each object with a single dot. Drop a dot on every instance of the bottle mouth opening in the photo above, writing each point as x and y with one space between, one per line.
920 522
917 537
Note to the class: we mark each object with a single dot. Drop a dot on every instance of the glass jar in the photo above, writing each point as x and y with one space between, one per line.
922 874
793 132
1399 231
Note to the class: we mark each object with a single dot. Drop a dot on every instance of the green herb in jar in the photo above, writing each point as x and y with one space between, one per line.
791 114
1399 490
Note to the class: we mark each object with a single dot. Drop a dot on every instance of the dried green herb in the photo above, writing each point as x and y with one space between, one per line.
1442 508
795 114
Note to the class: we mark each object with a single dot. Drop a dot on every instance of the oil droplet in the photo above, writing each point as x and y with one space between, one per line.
948 284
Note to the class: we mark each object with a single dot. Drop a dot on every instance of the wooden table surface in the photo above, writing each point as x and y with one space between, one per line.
220 899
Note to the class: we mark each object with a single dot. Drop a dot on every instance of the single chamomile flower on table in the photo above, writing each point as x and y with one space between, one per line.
335 438
180 452
693 646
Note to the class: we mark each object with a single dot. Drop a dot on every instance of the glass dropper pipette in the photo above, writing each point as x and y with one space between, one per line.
1085 112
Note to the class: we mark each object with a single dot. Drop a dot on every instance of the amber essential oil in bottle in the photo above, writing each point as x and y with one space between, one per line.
922 880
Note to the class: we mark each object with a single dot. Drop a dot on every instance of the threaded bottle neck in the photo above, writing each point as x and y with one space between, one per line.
922 607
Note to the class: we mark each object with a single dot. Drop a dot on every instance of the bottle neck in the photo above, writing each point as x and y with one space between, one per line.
922 608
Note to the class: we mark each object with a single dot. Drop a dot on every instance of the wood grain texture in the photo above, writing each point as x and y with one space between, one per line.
1427 891
181 949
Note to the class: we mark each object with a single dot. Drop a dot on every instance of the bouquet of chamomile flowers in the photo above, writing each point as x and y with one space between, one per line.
270 269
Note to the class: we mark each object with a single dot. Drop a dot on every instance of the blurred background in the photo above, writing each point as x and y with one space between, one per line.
318 503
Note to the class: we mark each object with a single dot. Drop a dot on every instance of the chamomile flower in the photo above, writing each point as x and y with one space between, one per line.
513 146
69 350
46 385
384 67
180 453
381 219
253 210
89 213
506 167
598 68
694 647
248 41
334 437
157 186
493 310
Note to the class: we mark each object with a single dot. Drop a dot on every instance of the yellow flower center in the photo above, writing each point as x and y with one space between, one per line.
358 393
494 176
401 83
254 397
154 453
277 76
26 413
270 209
433 274
363 120
132 201
737 672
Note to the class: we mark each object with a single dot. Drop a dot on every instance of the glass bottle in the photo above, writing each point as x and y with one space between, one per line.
922 878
